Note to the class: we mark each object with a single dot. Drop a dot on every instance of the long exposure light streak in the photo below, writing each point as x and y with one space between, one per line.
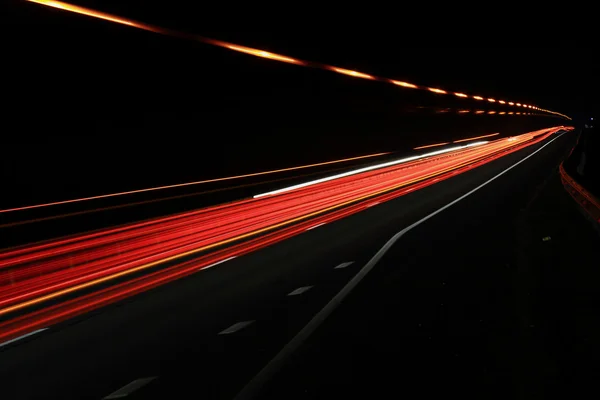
248 50
365 169
103 267
179 185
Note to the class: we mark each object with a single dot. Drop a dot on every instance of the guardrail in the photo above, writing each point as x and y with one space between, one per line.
587 201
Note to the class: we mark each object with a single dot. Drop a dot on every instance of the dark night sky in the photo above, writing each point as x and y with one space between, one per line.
144 109
542 58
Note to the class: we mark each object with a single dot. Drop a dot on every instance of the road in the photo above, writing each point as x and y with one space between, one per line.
210 333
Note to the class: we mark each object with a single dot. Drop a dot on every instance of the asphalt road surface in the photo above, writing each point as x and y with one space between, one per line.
441 312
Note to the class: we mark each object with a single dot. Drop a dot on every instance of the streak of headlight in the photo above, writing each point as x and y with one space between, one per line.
431 145
350 72
501 102
463 111
370 168
404 84
491 112
435 90
511 112
502 112
265 54
479 112
518 104
492 100
510 103
476 137
478 97
460 95
104 196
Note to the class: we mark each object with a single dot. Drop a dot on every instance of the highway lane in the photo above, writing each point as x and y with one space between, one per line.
485 300
47 283
172 332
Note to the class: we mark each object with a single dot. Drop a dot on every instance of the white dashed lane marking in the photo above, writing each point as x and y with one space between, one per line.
235 327
344 265
253 387
129 388
300 290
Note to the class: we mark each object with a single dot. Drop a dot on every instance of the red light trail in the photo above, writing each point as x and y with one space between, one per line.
46 283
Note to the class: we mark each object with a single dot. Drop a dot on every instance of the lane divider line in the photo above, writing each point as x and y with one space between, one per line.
129 388
22 337
300 290
235 327
252 388
344 265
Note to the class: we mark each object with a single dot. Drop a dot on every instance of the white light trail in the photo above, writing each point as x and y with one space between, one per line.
365 169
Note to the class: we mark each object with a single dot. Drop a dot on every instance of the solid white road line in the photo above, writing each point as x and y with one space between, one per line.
344 265
219 262
315 226
129 388
235 327
300 290
253 387
22 337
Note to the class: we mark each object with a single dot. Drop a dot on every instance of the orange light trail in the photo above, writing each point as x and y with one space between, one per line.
476 137
501 102
431 145
350 72
92 13
435 90
265 54
492 100
228 178
234 47
510 103
404 84
456 141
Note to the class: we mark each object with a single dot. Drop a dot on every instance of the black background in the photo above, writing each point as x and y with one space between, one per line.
95 107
